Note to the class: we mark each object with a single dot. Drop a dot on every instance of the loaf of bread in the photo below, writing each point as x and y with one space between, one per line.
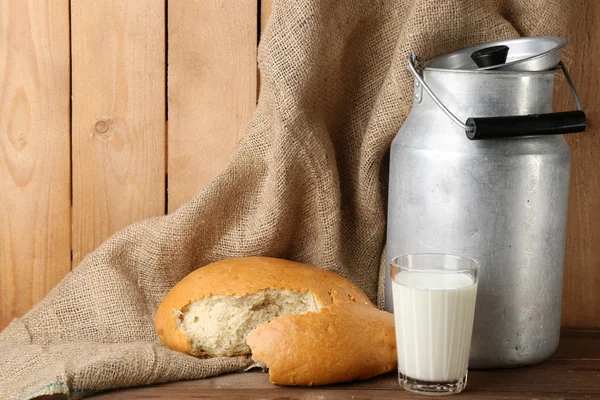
307 325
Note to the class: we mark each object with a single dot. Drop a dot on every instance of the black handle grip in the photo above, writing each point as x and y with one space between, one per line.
526 125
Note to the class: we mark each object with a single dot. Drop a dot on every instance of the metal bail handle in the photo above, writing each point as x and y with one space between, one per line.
514 125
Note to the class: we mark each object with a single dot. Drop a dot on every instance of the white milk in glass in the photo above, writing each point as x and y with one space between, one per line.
433 313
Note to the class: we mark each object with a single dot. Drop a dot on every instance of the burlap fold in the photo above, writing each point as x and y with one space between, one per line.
307 183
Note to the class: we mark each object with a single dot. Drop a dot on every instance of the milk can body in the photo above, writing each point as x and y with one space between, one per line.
502 202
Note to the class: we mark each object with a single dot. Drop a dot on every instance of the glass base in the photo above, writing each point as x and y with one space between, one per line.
432 388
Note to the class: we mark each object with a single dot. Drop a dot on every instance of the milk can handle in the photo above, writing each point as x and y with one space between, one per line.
514 125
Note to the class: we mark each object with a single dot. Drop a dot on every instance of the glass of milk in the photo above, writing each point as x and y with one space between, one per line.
434 305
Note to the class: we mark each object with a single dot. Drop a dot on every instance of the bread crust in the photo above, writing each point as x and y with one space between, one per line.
242 276
343 342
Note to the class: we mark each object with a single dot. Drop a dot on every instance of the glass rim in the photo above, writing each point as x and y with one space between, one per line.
473 267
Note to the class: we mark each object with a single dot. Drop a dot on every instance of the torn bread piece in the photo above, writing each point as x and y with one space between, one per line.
343 342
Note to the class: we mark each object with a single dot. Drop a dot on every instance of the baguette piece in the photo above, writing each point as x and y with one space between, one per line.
213 310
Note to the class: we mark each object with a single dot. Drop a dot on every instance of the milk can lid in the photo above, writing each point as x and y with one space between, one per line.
537 53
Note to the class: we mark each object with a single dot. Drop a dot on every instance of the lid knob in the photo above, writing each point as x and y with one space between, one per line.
490 56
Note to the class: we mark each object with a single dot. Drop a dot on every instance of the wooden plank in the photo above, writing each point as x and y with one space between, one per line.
266 8
119 104
323 394
570 373
562 379
581 303
35 225
211 88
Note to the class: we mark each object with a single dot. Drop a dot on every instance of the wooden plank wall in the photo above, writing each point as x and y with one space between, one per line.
212 88
118 84
581 294
112 150
35 209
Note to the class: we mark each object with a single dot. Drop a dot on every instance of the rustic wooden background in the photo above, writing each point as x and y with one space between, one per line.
85 108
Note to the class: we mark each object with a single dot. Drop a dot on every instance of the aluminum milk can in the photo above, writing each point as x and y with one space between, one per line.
480 169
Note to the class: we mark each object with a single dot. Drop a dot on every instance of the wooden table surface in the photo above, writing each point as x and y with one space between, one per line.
573 372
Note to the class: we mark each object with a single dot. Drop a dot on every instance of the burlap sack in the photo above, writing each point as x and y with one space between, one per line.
307 183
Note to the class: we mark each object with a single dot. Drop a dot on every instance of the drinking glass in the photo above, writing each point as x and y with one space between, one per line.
434 305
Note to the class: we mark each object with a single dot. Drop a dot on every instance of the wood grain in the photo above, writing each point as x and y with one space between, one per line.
119 104
581 302
211 88
325 394
35 229
572 373
551 379
266 7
